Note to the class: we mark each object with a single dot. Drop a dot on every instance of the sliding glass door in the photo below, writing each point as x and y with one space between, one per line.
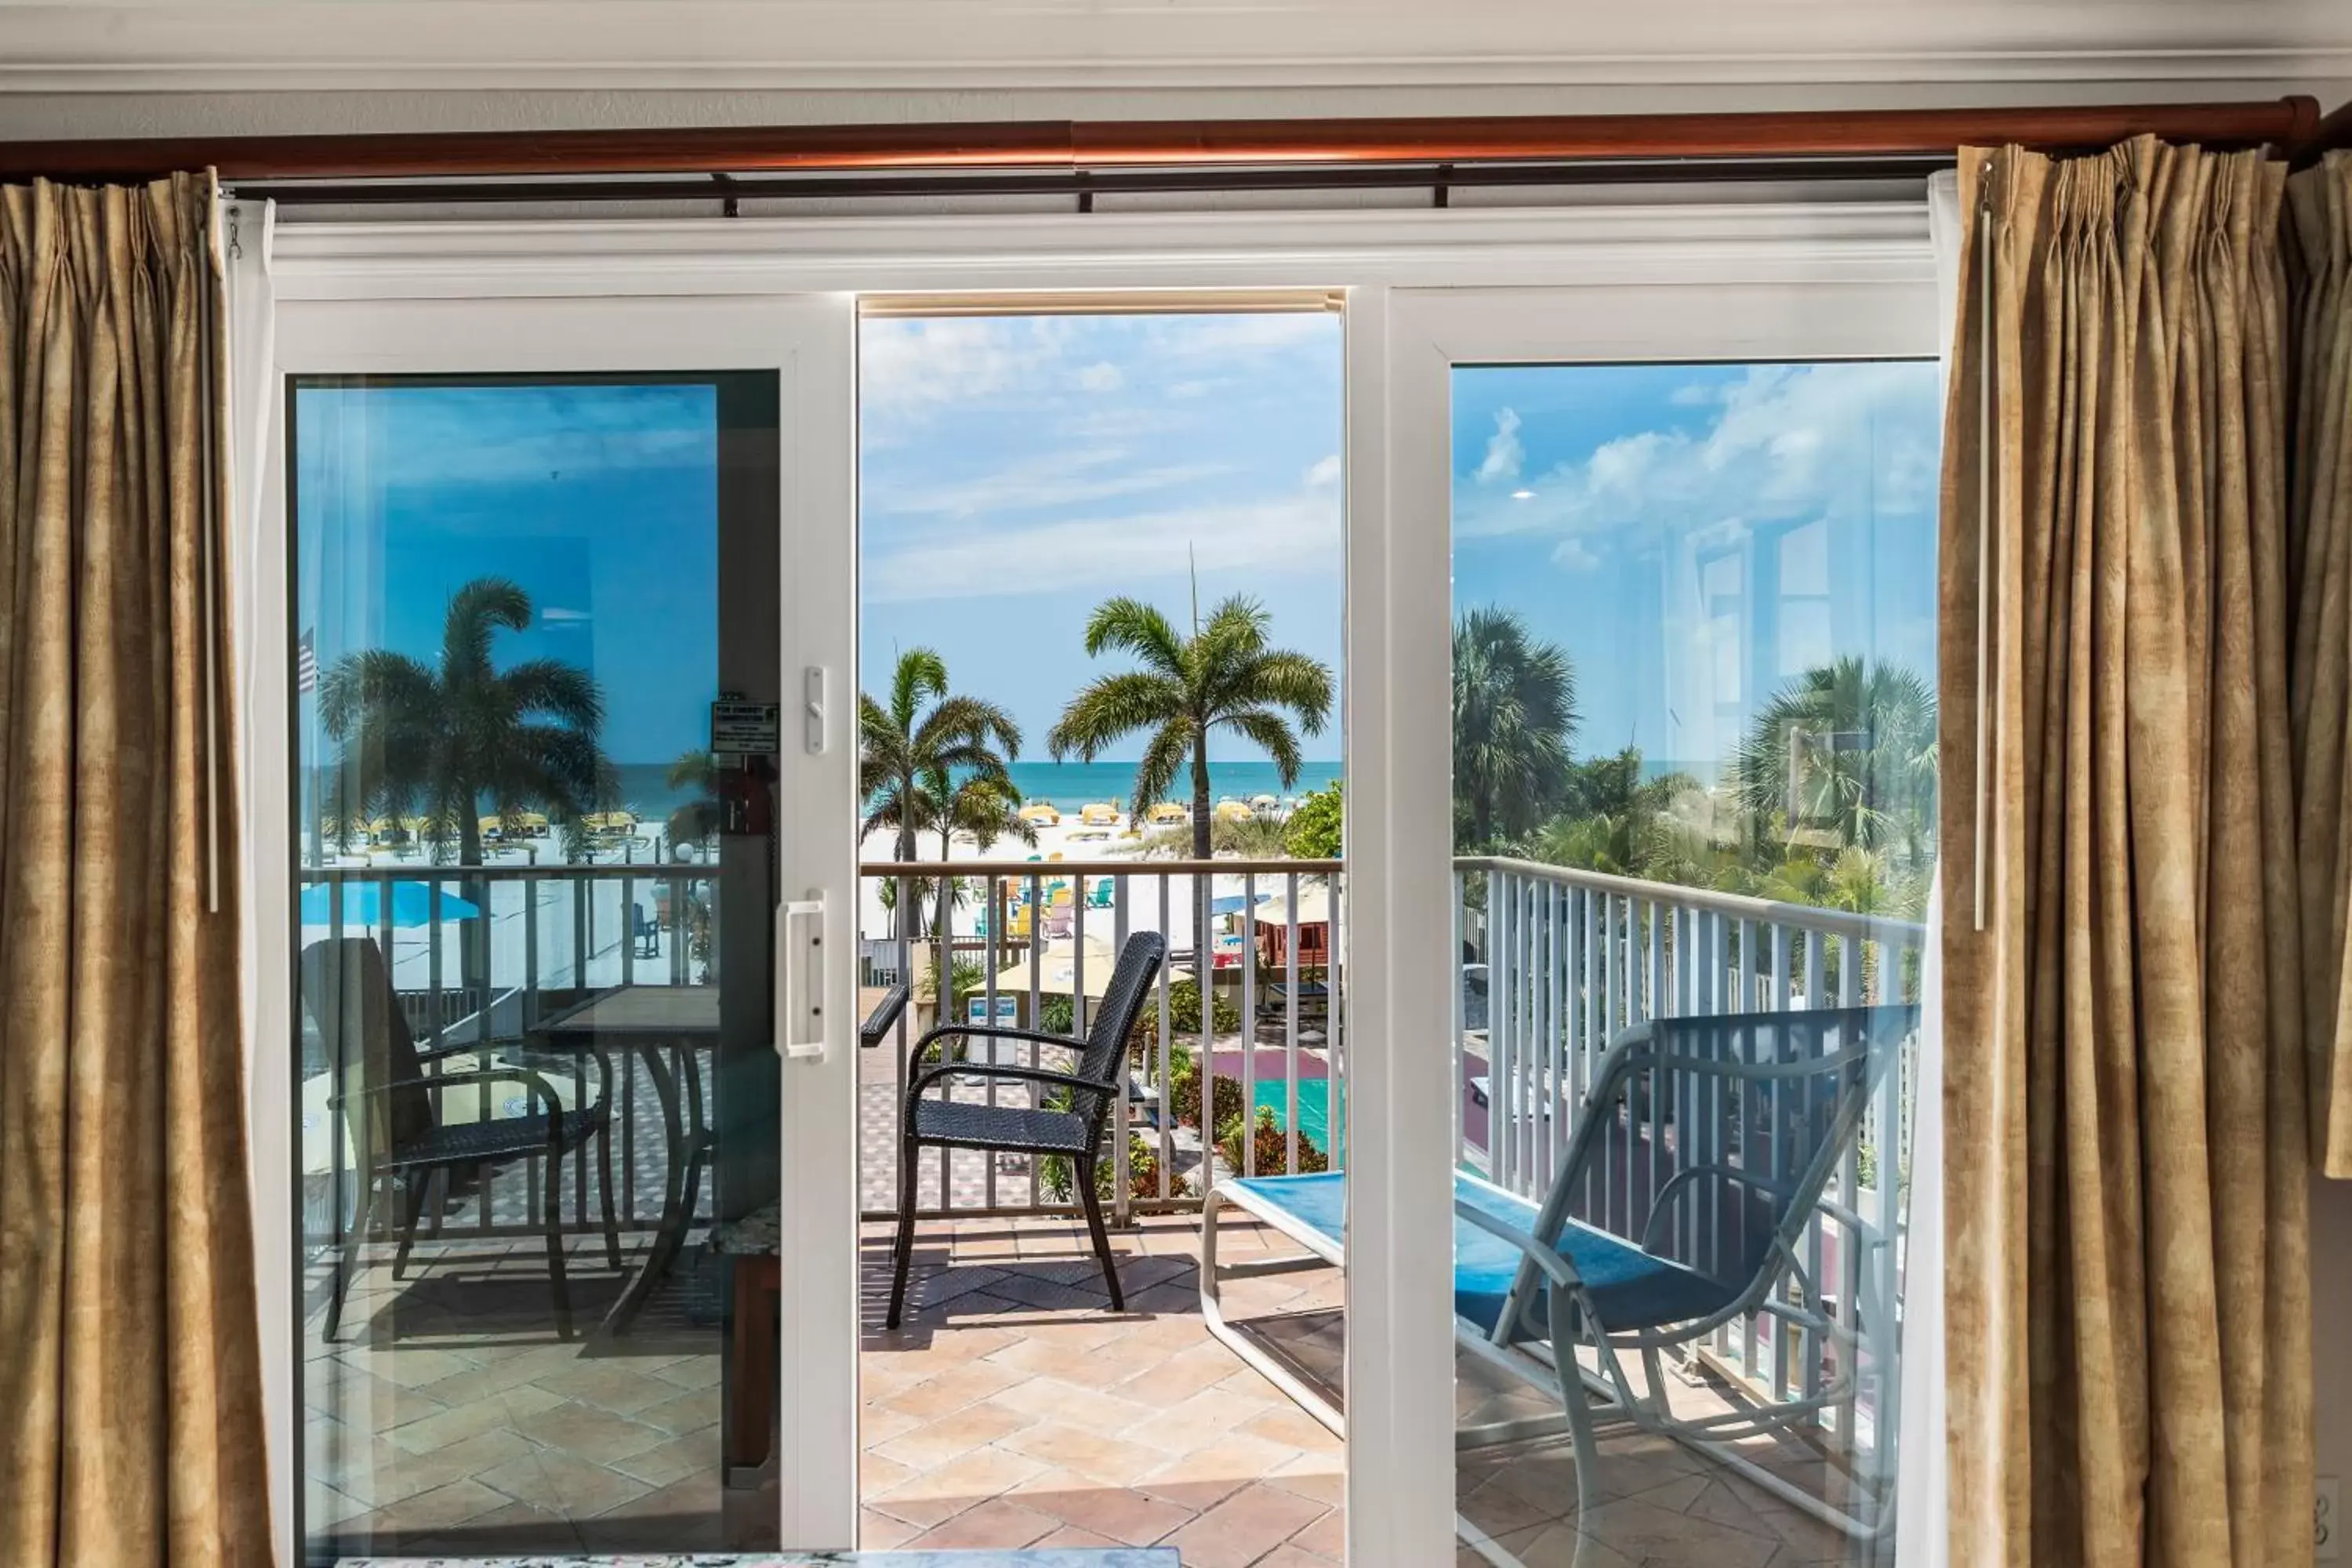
568 591
1692 720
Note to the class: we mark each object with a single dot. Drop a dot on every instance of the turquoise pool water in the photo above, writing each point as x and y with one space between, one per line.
1314 1107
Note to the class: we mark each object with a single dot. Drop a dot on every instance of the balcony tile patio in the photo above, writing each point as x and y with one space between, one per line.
1013 1408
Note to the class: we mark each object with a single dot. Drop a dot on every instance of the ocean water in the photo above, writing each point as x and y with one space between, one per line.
1070 785
645 788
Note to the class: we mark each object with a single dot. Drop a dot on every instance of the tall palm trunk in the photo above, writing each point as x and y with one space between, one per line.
1200 841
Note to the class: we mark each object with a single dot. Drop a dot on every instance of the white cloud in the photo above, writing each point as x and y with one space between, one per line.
1788 442
1697 394
1072 476
1268 537
1326 471
1504 452
1575 554
1101 377
904 366
561 615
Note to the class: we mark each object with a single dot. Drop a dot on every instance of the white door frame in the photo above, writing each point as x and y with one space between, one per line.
1424 289
810 341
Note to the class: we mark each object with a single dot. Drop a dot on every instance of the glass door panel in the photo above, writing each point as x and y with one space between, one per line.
537 880
1693 697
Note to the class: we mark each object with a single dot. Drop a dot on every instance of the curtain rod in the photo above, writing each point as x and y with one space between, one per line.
1077 146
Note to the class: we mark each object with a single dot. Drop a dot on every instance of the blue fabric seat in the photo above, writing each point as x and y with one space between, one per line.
1629 1288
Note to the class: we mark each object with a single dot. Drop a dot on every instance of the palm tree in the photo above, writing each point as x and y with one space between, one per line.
927 735
1847 751
442 740
987 808
1223 676
1513 715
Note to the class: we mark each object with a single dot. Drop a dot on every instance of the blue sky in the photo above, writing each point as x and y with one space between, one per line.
1692 534
600 501
1018 470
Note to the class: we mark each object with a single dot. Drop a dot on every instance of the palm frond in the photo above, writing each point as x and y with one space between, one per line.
1114 706
1138 628
919 673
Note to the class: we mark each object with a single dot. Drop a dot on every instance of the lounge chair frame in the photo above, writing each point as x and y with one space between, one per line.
1782 1287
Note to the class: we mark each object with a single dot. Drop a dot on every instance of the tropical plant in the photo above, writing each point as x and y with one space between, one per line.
1244 838
1272 1145
443 740
1056 1174
1843 756
1184 1096
1611 819
1313 831
927 736
1513 716
1222 677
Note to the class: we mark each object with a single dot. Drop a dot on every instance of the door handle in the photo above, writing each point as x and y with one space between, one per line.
801 935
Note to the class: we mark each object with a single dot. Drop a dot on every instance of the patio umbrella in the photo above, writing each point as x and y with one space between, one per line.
1059 969
412 905
1314 906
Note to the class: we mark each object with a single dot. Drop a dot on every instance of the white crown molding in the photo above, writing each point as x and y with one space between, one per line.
153 45
1856 244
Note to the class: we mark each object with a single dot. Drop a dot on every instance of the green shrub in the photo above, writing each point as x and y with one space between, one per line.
1312 832
1056 1173
1184 1096
1273 1145
1055 1015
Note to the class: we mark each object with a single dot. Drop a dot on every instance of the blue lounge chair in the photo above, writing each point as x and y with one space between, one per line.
1701 1153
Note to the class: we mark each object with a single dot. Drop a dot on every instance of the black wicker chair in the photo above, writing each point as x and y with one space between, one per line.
1076 1133
386 1091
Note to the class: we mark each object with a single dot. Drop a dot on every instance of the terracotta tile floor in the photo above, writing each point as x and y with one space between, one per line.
1012 1409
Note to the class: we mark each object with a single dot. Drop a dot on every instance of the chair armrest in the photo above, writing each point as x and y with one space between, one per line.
1556 1269
929 1076
878 1023
1001 1032
541 1090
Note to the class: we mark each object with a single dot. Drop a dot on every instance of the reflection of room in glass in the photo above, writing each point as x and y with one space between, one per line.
1708 918
512 611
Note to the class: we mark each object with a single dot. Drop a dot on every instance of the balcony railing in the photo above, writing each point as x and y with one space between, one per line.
1553 963
1557 961
1271 929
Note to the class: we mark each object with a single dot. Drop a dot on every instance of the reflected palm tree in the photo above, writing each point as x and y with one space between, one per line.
1513 715
1843 757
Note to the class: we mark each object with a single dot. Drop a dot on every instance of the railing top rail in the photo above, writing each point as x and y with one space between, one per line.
1808 917
1109 868
644 871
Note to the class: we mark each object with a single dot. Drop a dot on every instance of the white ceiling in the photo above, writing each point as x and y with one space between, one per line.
945 46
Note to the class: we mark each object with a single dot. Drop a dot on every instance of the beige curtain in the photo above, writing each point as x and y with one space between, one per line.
2320 506
129 1363
2128 1323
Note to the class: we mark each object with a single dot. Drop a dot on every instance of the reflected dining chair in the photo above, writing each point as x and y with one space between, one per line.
387 1088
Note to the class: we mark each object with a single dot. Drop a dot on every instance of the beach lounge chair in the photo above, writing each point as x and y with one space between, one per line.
385 1096
1700 1155
1076 1133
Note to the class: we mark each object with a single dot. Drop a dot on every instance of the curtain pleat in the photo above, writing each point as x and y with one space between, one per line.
2319 535
2128 1331
130 1377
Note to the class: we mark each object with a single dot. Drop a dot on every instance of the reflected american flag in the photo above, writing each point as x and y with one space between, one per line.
306 664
